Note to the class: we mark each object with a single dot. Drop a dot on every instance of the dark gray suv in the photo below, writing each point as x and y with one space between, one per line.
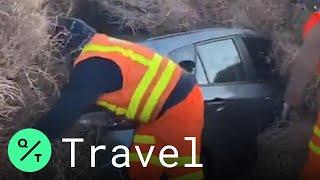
241 92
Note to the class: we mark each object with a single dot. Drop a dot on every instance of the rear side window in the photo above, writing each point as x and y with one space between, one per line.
259 51
221 61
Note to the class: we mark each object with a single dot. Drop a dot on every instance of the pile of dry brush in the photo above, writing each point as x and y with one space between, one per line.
30 77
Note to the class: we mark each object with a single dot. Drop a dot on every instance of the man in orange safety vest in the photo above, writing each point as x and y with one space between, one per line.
306 64
132 81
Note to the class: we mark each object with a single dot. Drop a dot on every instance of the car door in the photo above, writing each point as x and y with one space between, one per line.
265 76
229 136
225 74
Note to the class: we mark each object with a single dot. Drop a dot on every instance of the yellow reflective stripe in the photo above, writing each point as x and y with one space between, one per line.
154 160
144 139
157 92
111 107
197 175
316 131
147 78
121 111
125 52
314 148
143 86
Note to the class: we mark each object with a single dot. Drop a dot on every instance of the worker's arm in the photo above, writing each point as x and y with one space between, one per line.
304 67
88 81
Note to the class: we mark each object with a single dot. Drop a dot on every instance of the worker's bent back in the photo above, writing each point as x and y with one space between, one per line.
149 79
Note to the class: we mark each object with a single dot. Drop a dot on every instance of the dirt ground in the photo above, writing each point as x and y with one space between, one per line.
30 77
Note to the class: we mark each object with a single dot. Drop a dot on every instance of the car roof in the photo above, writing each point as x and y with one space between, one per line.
167 43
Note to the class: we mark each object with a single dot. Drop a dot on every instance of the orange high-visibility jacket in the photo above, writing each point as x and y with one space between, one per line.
313 21
148 78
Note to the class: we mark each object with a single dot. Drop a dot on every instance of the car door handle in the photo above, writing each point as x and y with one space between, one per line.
267 98
216 101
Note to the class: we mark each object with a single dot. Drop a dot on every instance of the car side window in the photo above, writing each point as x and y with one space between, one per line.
221 61
259 51
185 57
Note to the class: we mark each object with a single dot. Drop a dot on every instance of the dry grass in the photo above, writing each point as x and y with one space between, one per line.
18 50
282 149
25 57
157 16
277 19
27 79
